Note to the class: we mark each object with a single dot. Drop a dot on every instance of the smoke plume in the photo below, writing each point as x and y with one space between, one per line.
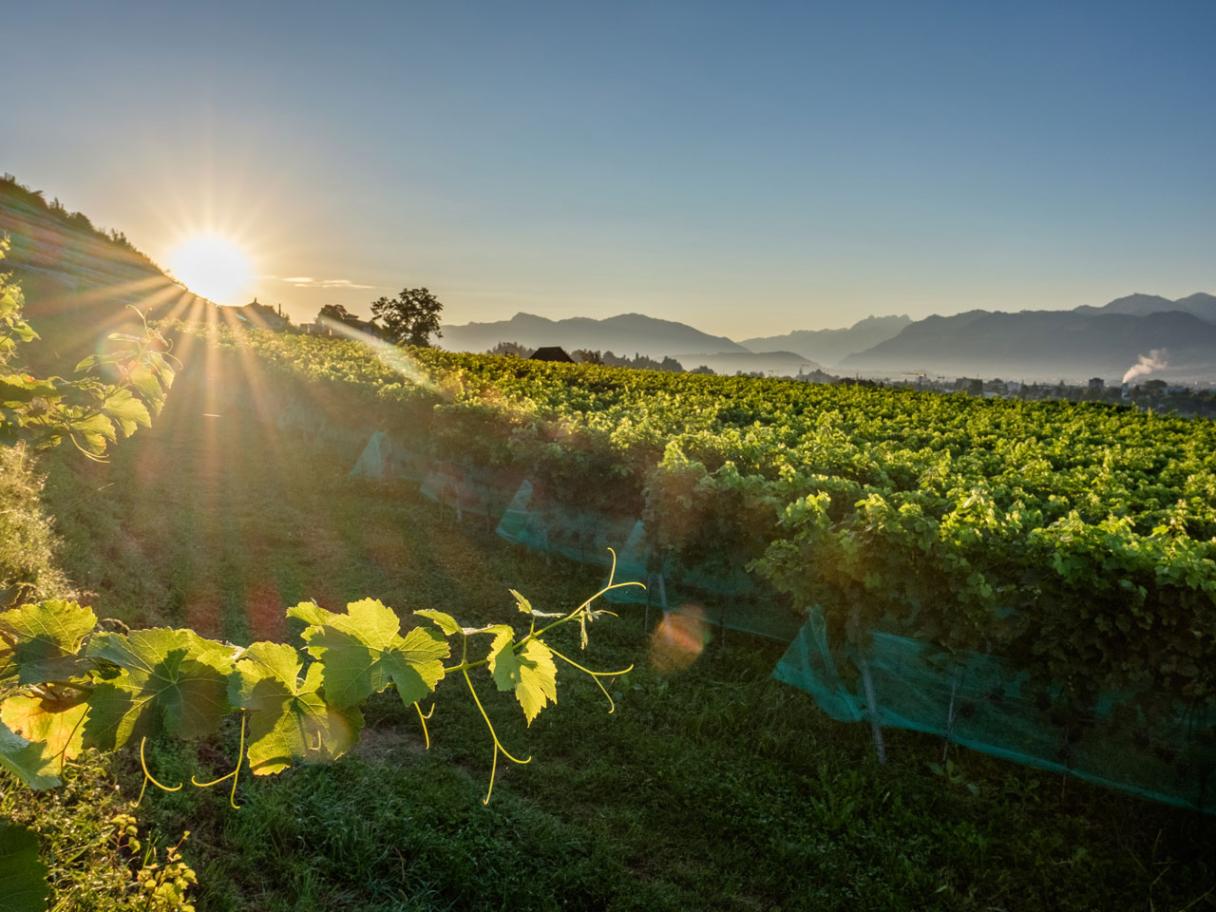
1146 364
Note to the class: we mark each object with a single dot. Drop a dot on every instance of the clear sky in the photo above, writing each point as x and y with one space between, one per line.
746 167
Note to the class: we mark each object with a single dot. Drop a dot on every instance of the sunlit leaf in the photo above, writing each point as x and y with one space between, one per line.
444 621
29 761
288 718
530 672
56 722
46 638
174 680
362 653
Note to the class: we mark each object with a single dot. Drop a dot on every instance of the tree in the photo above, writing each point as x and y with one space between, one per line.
513 349
411 318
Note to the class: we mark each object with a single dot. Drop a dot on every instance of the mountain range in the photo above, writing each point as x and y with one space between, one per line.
1041 345
1047 345
831 346
627 334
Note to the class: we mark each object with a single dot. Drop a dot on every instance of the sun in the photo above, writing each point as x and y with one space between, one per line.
213 266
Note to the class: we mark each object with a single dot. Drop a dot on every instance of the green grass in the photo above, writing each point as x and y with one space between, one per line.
711 788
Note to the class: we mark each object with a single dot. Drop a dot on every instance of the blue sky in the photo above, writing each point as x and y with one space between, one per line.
749 168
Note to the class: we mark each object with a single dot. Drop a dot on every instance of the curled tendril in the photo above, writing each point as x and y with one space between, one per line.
234 775
595 676
422 717
498 748
148 777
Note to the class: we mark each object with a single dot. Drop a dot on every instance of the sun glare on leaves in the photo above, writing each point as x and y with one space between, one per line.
214 267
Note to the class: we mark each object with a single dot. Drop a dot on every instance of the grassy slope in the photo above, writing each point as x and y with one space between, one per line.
710 788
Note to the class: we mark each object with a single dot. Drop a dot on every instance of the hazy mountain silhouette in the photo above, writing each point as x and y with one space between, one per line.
779 363
1046 345
625 334
831 346
1200 304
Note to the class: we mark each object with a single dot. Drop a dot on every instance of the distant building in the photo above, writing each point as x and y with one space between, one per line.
1097 385
263 316
552 353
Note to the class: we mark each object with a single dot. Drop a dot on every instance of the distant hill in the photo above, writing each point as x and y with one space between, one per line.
1046 345
77 280
778 363
626 334
1200 305
832 346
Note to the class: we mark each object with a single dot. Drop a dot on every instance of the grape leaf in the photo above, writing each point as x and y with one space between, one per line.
444 621
362 652
173 680
45 639
96 430
57 723
525 607
27 760
288 719
23 884
530 672
311 614
123 407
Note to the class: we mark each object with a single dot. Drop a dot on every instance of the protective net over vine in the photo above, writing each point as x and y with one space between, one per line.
1162 750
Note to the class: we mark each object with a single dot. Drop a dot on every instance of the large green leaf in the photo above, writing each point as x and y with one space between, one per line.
288 718
528 670
362 652
170 680
23 885
45 639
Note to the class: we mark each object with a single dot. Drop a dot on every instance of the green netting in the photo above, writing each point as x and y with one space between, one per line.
385 458
980 702
725 597
470 489
728 597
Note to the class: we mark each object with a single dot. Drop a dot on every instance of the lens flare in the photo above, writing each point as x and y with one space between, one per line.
679 639
213 266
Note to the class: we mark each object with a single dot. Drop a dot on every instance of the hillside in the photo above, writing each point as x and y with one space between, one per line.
832 346
626 334
78 280
1046 345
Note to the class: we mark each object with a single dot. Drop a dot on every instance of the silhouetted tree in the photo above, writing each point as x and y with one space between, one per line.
411 318
511 349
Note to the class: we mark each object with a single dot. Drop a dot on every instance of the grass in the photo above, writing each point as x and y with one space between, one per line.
710 788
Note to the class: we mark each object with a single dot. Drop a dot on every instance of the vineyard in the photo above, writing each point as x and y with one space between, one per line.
1077 542
1064 555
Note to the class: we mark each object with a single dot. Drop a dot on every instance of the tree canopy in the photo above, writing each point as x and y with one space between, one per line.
411 318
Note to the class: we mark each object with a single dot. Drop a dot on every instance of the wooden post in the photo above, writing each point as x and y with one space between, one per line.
950 716
867 682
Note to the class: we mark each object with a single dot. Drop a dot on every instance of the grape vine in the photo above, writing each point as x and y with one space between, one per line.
66 686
